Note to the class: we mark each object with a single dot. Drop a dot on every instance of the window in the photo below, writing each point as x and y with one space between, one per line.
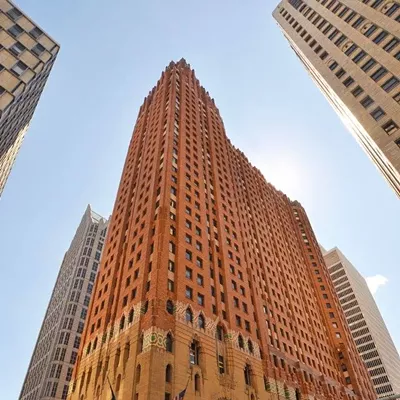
200 280
370 31
368 65
221 364
377 114
359 56
197 383
392 9
348 81
366 101
17 48
194 353
247 375
390 84
188 273
351 49
200 299
170 307
358 22
333 65
168 374
241 342
38 49
14 14
188 255
171 266
379 73
171 286
357 91
189 293
380 37
201 322
168 343
15 31
36 33
19 68
340 73
391 45
390 127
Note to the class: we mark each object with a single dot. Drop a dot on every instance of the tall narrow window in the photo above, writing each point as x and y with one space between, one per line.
197 383
168 374
247 375
189 315
194 353
169 343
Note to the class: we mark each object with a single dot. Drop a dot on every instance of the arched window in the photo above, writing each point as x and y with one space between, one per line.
131 315
241 342
170 307
122 323
189 315
194 353
138 372
298 394
220 333
250 346
247 375
168 374
168 343
88 348
201 322
95 344
252 397
118 383
197 383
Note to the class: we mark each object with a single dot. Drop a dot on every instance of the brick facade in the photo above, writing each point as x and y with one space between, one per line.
205 279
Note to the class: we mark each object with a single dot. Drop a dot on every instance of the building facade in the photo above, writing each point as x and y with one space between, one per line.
209 275
55 353
27 55
352 51
366 324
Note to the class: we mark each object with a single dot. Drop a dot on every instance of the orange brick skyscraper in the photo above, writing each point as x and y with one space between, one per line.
210 277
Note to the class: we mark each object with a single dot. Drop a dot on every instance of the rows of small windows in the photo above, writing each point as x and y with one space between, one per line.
391 9
377 72
358 22
384 389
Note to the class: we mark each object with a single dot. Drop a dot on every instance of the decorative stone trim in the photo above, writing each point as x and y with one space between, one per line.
154 337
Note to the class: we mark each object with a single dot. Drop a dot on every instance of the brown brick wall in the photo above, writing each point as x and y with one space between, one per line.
192 212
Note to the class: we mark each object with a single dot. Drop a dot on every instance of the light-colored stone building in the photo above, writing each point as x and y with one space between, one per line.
351 50
56 349
27 55
367 327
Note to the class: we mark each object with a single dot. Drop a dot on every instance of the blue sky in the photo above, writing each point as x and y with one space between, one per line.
74 151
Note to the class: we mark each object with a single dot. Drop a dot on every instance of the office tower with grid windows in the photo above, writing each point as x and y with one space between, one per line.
56 349
366 324
27 55
351 48
211 279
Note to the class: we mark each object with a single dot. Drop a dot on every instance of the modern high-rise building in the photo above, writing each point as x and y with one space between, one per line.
367 327
211 279
56 350
27 55
352 51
